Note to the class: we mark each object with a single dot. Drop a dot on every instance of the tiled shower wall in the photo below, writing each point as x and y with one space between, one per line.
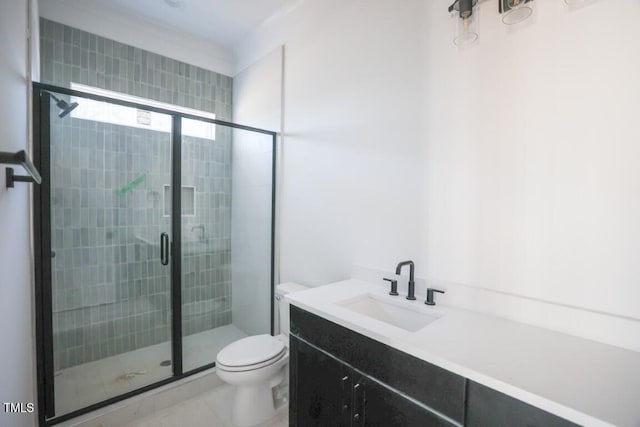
111 294
71 55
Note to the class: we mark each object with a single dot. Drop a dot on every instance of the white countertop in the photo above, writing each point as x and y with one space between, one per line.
584 381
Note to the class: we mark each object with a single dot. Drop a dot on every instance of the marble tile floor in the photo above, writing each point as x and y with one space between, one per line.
89 383
212 409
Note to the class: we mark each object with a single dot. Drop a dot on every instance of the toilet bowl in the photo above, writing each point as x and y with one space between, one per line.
256 365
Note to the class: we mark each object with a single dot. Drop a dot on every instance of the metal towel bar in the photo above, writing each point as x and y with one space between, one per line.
20 158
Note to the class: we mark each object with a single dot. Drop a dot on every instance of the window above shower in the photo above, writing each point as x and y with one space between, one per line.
97 111
69 56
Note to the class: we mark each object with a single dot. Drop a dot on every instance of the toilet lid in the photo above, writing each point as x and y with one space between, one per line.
251 350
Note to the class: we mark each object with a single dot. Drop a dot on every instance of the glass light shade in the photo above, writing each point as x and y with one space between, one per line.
466 29
519 11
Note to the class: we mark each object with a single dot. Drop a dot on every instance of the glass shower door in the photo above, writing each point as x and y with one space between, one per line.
110 166
226 232
206 241
154 245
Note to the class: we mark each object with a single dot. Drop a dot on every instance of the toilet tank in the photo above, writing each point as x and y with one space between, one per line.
283 307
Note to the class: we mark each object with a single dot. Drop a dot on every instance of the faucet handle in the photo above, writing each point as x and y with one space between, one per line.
394 286
430 292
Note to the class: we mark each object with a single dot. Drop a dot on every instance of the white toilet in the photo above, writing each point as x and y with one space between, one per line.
256 365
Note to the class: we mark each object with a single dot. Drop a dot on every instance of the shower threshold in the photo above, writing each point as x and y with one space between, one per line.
80 386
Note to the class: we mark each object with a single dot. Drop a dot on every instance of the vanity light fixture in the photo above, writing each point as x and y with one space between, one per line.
467 25
515 11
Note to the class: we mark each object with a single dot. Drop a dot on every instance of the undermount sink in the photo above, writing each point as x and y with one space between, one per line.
397 314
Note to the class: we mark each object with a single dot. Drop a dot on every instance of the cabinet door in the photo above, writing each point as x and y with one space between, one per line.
320 388
377 405
436 388
487 407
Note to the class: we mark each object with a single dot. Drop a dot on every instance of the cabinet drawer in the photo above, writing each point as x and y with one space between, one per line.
431 385
487 407
384 408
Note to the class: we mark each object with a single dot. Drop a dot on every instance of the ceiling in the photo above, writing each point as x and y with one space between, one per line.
221 21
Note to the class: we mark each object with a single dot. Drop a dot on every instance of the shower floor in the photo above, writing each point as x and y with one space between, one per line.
84 385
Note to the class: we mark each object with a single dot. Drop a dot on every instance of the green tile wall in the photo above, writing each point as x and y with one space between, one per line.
111 294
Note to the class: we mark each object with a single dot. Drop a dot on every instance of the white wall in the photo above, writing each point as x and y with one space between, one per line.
508 170
94 17
257 102
531 162
350 165
257 92
17 377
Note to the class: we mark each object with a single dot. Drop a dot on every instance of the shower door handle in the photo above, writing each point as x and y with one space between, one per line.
164 249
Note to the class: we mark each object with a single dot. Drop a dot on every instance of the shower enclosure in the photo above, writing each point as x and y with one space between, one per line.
154 245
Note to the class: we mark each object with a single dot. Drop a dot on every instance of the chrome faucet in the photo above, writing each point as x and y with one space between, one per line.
412 283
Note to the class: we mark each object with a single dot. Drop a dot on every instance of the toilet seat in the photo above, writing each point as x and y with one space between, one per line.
251 353
269 362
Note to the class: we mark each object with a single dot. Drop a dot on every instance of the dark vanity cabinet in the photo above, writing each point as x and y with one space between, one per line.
374 404
342 378
339 377
327 392
486 407
321 386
